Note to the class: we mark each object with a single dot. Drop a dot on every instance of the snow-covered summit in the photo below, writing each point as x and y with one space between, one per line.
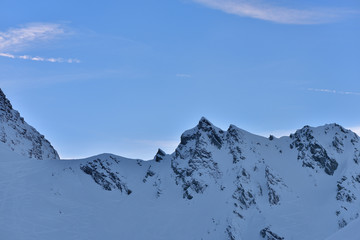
20 137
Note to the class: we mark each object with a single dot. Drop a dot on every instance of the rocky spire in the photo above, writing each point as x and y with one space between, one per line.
159 155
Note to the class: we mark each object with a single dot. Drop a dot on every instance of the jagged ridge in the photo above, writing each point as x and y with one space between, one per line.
233 184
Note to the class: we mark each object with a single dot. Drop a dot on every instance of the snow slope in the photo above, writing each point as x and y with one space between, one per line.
350 232
216 185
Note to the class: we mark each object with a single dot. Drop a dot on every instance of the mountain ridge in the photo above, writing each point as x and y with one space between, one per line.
216 185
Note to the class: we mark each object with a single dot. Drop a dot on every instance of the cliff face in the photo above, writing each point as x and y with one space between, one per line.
19 136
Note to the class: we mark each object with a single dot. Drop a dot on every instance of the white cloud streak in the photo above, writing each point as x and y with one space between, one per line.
40 59
333 91
278 14
8 55
17 39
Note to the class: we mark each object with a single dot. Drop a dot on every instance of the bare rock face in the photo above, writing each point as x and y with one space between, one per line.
269 235
312 153
193 162
100 170
19 136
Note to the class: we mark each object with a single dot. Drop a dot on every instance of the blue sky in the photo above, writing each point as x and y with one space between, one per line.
127 77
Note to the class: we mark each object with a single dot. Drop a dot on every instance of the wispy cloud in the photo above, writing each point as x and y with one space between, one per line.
41 59
333 91
279 14
8 55
17 39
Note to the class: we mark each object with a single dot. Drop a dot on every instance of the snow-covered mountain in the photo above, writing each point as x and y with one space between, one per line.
19 136
216 185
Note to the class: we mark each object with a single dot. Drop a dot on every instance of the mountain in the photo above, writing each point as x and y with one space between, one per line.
20 136
216 185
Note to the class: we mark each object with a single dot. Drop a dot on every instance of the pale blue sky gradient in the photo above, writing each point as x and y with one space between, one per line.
127 77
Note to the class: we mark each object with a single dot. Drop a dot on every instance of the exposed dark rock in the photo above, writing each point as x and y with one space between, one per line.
194 185
269 235
237 154
244 197
193 160
338 144
18 135
159 155
204 128
272 182
229 232
342 223
356 156
104 176
311 153
149 173
356 178
343 193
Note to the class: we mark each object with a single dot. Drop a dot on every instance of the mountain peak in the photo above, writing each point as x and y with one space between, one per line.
19 136
160 155
327 129
204 124
204 129
4 102
1 93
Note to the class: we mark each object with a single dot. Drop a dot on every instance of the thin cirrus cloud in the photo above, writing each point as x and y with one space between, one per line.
40 59
18 39
323 90
273 13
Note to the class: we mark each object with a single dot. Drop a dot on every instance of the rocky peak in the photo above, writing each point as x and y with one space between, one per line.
4 102
193 162
159 155
236 134
5 105
311 151
205 124
203 132
337 128
303 133
333 128
20 137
